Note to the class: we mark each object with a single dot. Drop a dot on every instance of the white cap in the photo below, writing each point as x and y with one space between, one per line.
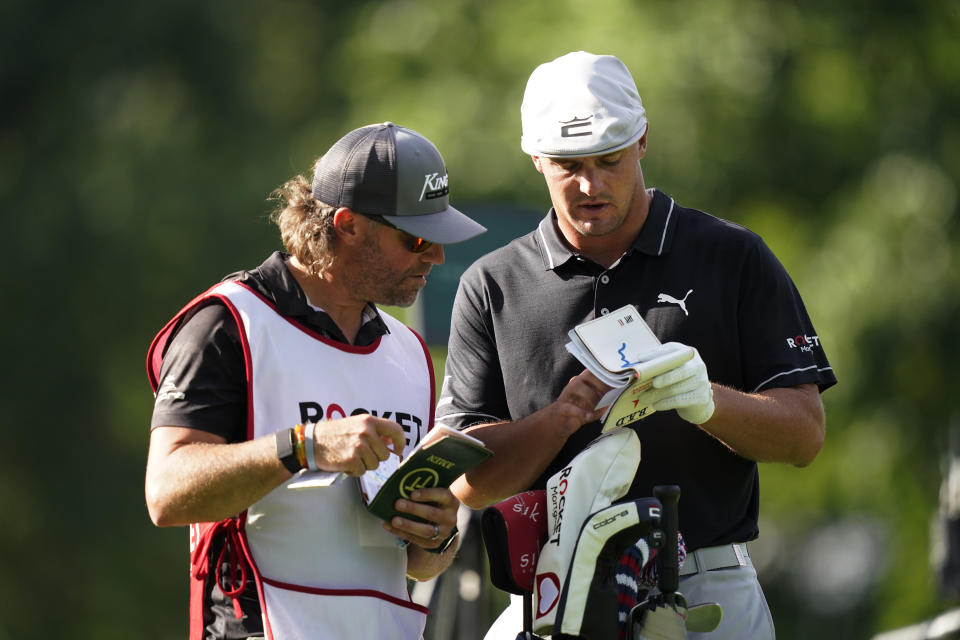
580 104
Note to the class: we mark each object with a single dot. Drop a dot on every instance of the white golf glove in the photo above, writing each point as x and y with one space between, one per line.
685 388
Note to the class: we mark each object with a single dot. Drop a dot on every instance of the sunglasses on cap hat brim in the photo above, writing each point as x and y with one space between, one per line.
414 244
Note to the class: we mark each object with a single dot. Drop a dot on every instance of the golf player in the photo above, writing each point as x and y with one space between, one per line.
751 392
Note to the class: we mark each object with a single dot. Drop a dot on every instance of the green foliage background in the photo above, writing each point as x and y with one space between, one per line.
138 143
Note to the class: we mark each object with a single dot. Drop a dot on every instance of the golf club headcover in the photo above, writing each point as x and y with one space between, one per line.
636 575
658 622
591 584
597 477
513 532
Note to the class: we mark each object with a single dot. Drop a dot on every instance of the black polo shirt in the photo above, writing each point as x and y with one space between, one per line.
204 359
696 279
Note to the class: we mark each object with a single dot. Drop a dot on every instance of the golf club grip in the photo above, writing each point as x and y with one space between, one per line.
527 615
668 563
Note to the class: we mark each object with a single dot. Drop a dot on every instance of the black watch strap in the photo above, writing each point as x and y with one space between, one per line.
446 542
286 450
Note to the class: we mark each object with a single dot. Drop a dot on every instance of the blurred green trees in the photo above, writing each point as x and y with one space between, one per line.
138 143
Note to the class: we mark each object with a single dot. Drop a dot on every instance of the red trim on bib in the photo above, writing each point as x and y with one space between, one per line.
368 593
433 380
349 348
159 343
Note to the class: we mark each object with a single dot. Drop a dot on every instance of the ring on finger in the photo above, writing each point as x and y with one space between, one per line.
436 532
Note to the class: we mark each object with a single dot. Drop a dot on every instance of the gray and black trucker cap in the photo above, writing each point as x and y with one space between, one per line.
394 172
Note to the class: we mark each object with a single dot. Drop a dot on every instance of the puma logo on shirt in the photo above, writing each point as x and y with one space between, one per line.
682 303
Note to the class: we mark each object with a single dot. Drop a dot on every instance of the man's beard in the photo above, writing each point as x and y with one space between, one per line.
378 283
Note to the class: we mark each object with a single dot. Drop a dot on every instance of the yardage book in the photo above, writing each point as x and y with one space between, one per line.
440 458
616 348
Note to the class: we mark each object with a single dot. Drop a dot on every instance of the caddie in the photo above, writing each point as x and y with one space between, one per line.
290 369
751 392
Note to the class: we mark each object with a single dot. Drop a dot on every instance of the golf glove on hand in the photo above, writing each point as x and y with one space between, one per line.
685 388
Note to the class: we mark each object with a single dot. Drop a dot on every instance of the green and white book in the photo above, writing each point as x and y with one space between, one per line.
441 457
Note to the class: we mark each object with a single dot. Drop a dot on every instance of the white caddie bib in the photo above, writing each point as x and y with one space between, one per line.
324 566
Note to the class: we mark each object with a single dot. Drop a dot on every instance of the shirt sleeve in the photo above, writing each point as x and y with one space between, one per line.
781 347
473 388
202 382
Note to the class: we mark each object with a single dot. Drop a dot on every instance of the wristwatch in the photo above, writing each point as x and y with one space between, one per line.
446 542
286 450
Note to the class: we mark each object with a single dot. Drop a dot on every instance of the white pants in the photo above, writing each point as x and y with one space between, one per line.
746 615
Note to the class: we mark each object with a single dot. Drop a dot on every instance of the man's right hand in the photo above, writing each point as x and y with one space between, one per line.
575 405
356 444
524 448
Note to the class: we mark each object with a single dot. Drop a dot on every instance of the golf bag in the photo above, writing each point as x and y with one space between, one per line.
560 548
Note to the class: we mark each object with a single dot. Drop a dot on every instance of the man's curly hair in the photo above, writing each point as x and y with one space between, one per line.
306 224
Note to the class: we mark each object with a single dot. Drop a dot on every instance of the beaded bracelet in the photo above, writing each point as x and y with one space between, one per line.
299 445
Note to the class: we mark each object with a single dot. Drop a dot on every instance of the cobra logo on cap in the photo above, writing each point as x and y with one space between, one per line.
572 128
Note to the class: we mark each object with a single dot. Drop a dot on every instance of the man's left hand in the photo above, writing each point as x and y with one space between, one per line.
685 388
437 506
